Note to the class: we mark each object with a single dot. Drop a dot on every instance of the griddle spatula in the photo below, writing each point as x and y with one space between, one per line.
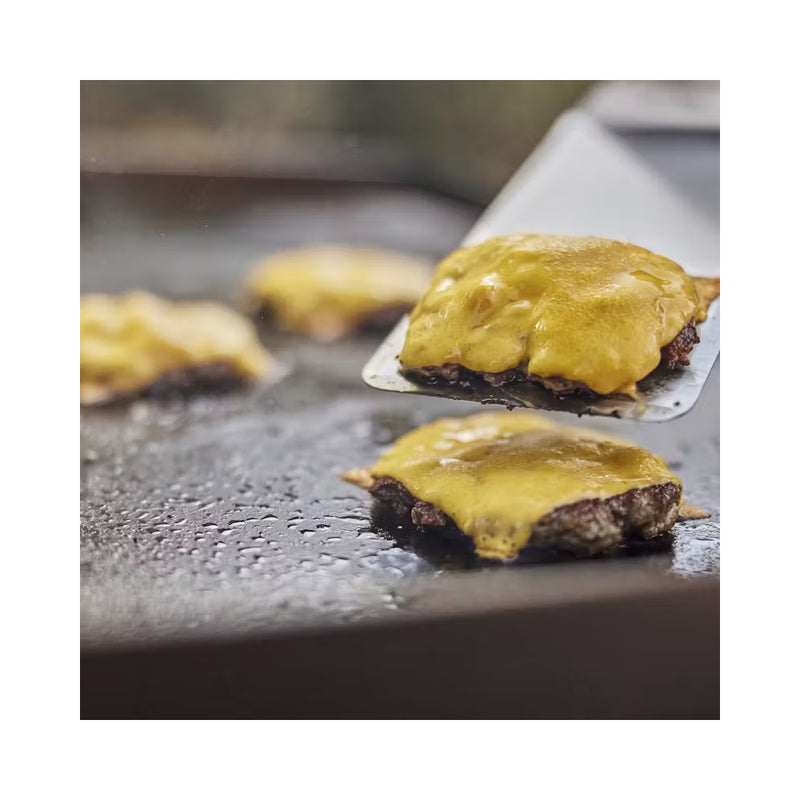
584 180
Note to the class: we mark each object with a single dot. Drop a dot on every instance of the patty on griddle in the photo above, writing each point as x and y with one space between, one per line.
588 527
216 378
326 292
138 344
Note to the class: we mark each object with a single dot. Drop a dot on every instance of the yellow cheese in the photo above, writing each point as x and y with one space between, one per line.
591 310
128 341
327 291
497 474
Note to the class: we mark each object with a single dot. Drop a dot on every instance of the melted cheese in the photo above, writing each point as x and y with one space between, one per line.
128 341
707 291
497 474
326 292
581 308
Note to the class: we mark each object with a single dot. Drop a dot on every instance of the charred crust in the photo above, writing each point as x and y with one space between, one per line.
378 321
588 527
214 378
204 378
456 374
673 356
676 353
381 319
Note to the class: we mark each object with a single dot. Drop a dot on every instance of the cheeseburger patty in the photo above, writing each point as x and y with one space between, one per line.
673 356
511 482
588 527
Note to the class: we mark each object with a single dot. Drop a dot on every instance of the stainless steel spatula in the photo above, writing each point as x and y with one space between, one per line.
583 180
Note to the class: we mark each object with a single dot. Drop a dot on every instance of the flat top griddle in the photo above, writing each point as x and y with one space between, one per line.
225 516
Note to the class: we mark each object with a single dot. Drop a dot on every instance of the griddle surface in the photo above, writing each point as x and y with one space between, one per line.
226 515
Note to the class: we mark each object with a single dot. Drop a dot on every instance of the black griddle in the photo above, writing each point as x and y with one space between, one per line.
227 570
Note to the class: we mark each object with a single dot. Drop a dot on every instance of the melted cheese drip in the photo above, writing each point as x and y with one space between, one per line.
497 474
582 308
128 341
325 292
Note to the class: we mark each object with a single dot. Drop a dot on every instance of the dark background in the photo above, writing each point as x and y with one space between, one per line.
466 135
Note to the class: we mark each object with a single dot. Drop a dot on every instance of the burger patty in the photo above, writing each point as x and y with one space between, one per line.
676 353
587 527
377 321
673 356
214 378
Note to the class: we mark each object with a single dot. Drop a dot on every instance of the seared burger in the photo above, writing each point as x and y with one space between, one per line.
574 313
512 481
328 292
137 344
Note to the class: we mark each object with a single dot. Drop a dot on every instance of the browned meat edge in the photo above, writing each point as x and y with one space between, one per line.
379 321
676 353
587 527
198 379
673 356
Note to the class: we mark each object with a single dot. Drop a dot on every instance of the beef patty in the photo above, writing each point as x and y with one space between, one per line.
213 378
379 320
588 527
673 356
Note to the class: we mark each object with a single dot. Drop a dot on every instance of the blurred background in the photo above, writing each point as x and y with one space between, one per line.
467 136
172 171
463 136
